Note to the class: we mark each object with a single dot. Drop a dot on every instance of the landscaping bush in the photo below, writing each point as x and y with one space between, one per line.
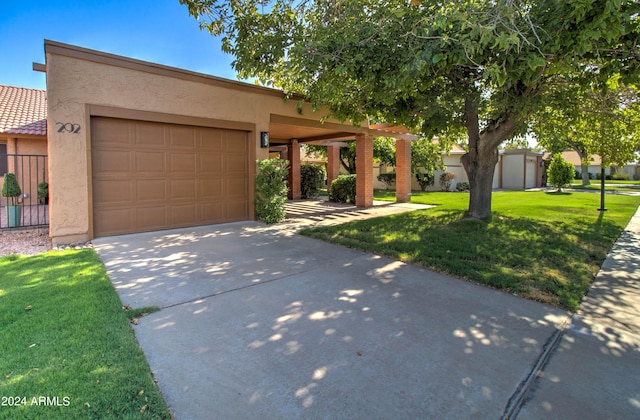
425 180
388 179
446 179
606 177
577 175
621 176
462 186
311 180
11 188
343 189
271 190
560 172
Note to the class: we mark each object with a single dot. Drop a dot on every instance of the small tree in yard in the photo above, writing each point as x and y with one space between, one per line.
446 179
425 180
387 179
560 172
271 190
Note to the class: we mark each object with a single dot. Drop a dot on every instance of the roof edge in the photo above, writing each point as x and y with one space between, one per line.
74 51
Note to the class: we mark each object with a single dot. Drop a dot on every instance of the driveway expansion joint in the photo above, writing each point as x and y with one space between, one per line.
517 399
223 292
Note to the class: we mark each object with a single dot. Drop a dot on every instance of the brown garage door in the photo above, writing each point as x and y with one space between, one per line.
151 176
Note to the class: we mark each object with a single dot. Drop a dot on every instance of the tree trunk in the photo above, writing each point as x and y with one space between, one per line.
585 174
584 166
480 168
480 161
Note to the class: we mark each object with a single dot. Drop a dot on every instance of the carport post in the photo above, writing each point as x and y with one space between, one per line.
333 164
364 170
403 170
294 170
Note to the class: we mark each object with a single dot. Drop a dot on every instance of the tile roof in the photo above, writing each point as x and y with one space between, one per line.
23 111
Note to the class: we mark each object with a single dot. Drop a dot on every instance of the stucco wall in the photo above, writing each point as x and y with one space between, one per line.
85 81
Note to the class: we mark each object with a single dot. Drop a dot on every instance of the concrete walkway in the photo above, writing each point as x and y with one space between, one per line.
258 322
594 373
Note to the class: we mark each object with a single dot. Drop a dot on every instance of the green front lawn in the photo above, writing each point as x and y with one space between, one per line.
542 246
67 349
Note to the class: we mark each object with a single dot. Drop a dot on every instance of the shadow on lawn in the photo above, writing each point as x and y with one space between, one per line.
551 262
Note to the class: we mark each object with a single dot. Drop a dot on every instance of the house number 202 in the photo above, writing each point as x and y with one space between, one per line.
68 128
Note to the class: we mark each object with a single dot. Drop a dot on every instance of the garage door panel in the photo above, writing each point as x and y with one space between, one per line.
208 163
235 141
182 189
235 188
150 163
182 162
113 191
182 137
235 211
150 190
185 215
212 212
113 221
115 134
162 176
148 135
112 162
235 164
212 188
151 218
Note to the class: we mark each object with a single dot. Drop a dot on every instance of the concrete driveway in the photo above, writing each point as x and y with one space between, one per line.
259 323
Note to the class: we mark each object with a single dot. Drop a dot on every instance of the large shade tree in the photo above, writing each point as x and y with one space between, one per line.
479 67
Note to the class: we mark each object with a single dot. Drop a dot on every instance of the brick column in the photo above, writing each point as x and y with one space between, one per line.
333 164
294 170
403 171
364 170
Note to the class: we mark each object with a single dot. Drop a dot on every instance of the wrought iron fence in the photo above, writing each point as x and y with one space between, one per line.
29 206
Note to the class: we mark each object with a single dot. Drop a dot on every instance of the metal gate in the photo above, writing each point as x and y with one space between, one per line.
28 204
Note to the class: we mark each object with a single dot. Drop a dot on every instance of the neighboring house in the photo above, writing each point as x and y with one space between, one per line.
595 164
23 141
517 169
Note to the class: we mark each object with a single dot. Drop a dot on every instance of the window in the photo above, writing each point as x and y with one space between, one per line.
4 167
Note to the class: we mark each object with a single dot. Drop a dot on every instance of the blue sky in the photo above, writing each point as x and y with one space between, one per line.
160 31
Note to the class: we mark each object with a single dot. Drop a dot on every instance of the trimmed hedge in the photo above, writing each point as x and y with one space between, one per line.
271 190
311 180
343 189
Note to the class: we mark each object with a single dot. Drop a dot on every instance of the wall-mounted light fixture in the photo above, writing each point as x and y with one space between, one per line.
264 139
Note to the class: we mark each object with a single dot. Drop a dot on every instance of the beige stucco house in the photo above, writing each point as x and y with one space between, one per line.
517 169
136 146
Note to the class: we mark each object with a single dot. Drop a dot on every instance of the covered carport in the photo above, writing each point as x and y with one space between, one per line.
292 132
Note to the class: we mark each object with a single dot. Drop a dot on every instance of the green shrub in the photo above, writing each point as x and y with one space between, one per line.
621 176
462 186
43 190
560 172
271 190
11 188
343 189
388 179
425 180
446 179
606 177
311 180
577 174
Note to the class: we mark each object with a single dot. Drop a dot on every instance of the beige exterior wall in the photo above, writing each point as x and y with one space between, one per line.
512 172
82 83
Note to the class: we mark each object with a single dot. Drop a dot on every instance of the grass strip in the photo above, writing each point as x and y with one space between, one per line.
67 347
543 246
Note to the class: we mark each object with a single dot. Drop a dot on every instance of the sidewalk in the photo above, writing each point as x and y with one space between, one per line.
595 370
